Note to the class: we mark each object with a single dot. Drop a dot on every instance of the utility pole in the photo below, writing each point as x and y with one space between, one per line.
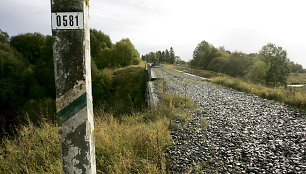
71 51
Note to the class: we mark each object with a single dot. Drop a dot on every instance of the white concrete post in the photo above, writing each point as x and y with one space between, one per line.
71 49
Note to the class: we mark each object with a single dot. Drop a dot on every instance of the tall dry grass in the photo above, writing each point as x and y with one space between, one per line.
133 143
292 96
33 150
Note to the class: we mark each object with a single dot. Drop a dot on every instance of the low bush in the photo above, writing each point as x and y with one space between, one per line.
120 91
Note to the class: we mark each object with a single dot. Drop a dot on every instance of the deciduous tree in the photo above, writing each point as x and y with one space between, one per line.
257 72
12 77
275 57
29 45
237 64
124 53
4 36
100 45
295 67
203 54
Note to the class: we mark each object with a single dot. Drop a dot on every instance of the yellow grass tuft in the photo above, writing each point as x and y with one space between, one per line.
34 150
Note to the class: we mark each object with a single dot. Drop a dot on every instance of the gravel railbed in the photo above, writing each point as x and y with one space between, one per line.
245 133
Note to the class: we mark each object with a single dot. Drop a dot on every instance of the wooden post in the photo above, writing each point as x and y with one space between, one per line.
71 50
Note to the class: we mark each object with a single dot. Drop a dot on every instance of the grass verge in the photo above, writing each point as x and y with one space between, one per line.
297 78
34 150
132 143
198 72
292 96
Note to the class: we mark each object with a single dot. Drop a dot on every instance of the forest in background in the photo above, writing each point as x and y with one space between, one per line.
165 57
270 66
27 74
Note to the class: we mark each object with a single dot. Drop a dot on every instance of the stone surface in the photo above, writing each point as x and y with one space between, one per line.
245 133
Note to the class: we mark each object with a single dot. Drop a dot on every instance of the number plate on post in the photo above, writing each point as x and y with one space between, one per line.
67 21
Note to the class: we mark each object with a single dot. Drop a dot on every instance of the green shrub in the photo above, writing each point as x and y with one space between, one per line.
120 91
102 87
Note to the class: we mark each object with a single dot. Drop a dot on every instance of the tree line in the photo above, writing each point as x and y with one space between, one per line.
106 54
167 56
270 66
27 73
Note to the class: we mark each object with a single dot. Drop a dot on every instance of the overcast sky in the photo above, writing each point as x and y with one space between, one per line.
152 25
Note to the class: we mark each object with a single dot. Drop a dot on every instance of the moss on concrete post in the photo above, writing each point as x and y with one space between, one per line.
71 49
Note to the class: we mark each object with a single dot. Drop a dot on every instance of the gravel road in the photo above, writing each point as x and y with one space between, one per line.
245 133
